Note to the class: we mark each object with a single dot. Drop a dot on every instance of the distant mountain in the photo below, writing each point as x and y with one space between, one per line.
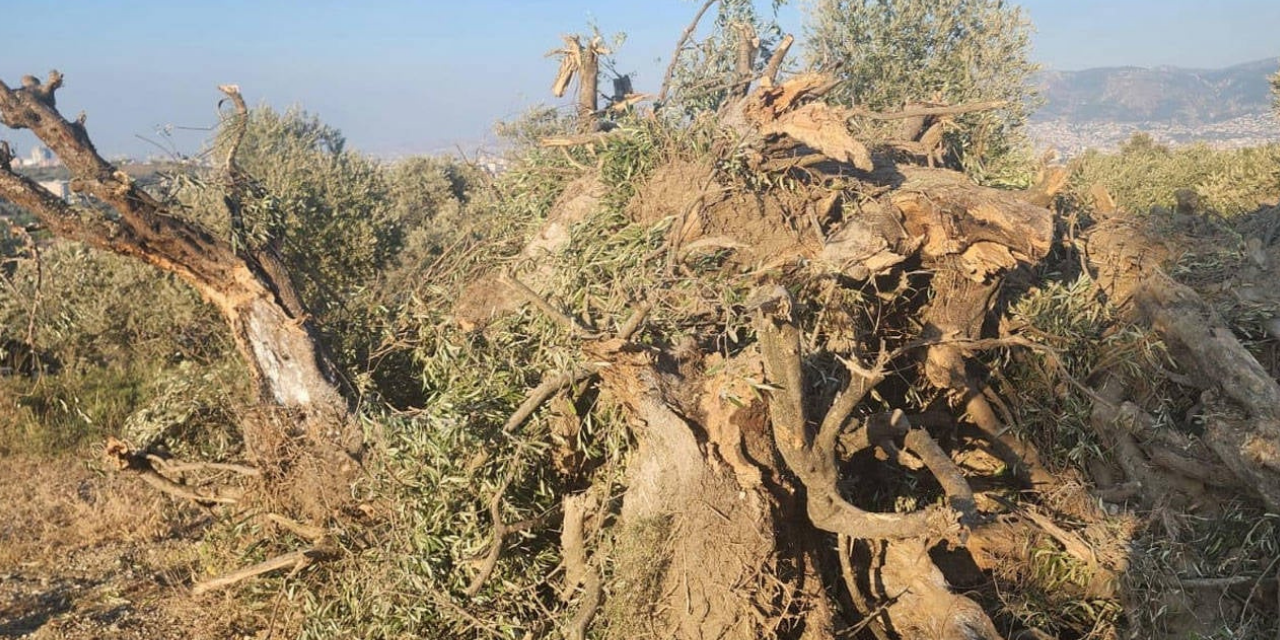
1101 108
1168 94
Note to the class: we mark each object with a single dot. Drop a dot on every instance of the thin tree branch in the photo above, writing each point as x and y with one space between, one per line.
297 559
675 55
949 110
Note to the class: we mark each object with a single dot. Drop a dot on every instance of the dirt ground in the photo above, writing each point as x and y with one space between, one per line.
85 554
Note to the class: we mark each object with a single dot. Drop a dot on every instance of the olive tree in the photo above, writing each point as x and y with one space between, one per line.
889 53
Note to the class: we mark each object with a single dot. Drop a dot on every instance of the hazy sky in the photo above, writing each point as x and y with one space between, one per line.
400 76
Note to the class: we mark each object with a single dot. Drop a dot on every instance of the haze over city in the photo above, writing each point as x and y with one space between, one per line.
400 77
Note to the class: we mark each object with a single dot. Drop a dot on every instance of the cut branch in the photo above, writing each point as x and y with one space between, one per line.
770 75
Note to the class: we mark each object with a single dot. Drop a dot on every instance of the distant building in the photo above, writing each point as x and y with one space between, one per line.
60 188
42 157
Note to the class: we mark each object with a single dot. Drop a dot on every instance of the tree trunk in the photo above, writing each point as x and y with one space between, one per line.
253 293
1241 400
588 86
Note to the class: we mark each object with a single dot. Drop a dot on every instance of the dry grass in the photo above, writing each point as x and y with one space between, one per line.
88 554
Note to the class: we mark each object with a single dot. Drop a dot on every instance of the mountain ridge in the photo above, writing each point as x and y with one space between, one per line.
1163 93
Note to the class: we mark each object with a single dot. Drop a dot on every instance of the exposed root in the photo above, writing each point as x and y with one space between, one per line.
813 460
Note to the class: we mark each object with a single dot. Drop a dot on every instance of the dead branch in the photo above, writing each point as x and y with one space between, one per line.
959 493
1052 181
299 560
304 531
125 458
172 488
748 46
573 542
240 127
177 466
1127 256
592 589
675 55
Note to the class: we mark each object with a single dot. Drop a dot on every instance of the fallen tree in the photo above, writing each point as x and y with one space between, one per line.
739 489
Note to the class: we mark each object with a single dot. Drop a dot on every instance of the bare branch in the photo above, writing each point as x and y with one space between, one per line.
861 382
680 44
591 591
545 307
127 459
949 110
297 559
583 139
958 491
240 123
501 529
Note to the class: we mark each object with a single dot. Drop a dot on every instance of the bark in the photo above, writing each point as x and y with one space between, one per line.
588 86
1242 402
253 294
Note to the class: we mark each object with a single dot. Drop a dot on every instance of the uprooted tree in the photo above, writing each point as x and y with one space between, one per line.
754 502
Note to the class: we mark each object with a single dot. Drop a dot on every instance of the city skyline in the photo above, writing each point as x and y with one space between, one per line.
400 78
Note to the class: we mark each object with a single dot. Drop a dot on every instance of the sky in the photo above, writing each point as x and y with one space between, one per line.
400 77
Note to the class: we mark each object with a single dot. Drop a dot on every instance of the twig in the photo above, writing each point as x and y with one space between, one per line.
582 139
1219 583
1258 583
675 55
296 559
501 529
541 303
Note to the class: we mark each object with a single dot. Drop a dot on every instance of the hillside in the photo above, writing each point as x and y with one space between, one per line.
1101 107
